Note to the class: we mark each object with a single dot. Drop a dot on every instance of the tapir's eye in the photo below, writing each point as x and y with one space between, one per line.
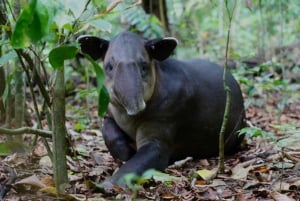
144 68
108 67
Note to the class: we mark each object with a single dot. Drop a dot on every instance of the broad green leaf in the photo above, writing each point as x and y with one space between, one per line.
103 101
58 55
19 38
6 57
33 24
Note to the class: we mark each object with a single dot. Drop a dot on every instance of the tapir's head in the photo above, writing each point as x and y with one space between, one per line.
129 66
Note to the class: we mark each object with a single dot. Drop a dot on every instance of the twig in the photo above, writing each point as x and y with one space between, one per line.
23 130
228 95
179 164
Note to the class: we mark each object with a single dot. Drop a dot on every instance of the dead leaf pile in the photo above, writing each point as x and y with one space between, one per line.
265 170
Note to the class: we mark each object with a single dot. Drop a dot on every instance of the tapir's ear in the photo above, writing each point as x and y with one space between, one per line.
160 49
93 46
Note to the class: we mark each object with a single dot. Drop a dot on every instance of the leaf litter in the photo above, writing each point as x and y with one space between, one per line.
264 170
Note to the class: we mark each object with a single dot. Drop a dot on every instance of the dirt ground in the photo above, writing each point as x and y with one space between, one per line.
266 169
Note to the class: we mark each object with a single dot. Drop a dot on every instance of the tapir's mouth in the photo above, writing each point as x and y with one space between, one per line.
133 106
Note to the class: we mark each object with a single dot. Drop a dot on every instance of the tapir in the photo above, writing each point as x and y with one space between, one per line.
162 109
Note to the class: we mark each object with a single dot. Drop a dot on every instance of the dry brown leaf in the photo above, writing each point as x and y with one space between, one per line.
32 183
47 180
281 186
45 162
52 191
168 196
204 162
295 184
280 197
262 169
200 182
240 172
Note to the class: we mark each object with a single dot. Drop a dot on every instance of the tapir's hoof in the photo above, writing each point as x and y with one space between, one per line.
108 187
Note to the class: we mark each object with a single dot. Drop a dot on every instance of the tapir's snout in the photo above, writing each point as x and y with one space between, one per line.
128 88
141 107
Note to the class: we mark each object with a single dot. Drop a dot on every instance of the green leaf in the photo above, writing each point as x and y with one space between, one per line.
255 132
103 101
58 55
79 127
235 55
103 98
159 176
98 70
33 24
6 57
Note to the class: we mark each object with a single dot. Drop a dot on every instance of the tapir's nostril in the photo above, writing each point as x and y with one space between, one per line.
137 110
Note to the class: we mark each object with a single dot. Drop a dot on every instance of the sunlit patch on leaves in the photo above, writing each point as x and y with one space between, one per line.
207 174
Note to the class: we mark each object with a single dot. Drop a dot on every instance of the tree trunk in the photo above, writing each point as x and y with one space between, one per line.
159 9
19 101
59 132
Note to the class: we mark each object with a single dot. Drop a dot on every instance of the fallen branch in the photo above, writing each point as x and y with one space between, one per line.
23 130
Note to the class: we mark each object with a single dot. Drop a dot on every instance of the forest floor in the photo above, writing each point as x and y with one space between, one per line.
267 169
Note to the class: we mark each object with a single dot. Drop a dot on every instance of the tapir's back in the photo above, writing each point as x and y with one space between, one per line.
197 88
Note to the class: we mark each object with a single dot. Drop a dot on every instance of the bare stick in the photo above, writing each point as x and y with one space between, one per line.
228 94
24 130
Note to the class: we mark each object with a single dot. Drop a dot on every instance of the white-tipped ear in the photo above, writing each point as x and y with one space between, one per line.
171 38
160 49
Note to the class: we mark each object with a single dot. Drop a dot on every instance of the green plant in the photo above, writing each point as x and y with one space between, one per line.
252 132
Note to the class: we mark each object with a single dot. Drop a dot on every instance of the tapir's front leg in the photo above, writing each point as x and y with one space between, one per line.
151 155
153 140
116 140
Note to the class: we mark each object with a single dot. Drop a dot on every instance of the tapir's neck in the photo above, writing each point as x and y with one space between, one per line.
150 91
